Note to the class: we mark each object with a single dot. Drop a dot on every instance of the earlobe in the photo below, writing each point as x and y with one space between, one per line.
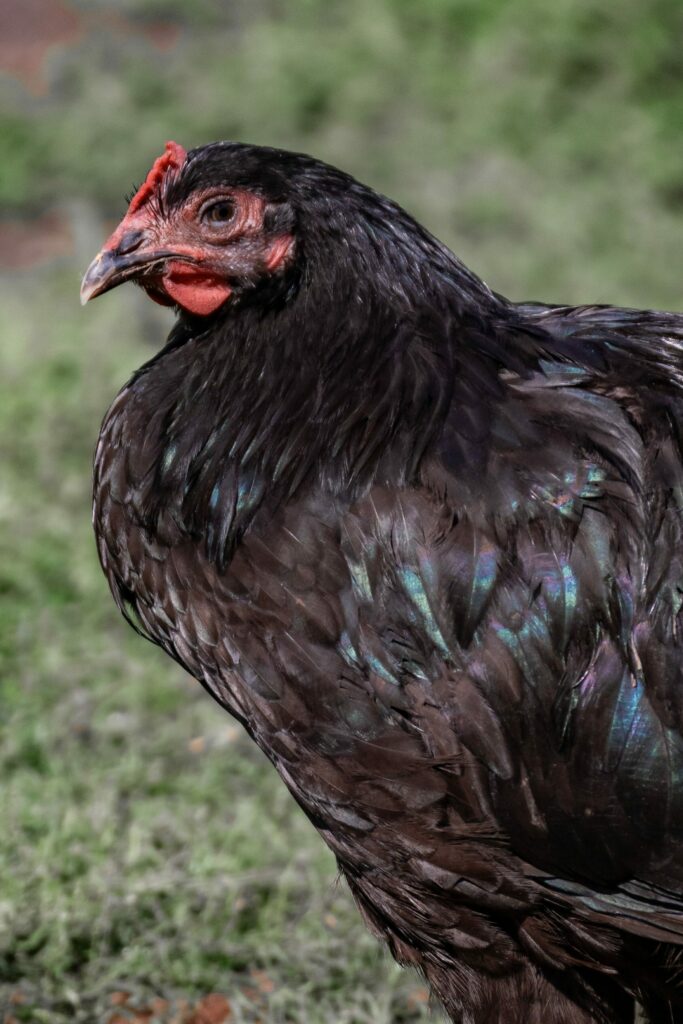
278 252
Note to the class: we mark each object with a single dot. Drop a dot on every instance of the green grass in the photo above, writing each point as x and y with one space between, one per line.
145 846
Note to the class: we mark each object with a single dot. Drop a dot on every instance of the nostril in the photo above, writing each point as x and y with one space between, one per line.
131 241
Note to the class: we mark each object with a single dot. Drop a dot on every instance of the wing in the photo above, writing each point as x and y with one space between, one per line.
577 600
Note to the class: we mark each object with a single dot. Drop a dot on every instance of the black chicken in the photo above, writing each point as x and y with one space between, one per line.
426 545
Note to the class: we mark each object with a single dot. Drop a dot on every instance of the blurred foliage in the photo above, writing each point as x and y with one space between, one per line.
145 846
526 133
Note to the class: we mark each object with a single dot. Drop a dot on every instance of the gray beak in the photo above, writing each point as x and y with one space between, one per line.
112 267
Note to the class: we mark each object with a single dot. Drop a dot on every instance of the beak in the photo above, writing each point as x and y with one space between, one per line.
112 266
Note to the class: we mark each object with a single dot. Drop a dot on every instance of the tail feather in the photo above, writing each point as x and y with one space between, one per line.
635 343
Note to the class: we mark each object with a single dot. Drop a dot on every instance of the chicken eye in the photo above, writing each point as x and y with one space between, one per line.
219 213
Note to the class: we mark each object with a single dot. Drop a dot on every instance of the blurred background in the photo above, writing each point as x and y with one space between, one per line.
152 868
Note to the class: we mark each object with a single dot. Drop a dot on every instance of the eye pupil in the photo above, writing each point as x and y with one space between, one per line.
219 213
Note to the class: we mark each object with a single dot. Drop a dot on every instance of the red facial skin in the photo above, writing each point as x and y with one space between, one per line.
197 259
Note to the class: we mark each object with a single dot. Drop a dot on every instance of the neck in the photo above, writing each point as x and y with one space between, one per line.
339 384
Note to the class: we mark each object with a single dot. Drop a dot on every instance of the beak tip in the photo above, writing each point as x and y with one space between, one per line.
91 285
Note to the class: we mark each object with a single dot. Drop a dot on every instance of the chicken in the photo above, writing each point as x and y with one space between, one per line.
425 544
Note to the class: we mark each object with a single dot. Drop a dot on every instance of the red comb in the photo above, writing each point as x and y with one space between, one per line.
171 159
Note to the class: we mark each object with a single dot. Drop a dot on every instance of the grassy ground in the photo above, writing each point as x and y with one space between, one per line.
148 855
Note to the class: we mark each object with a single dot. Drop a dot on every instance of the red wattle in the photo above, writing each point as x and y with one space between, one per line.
196 290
